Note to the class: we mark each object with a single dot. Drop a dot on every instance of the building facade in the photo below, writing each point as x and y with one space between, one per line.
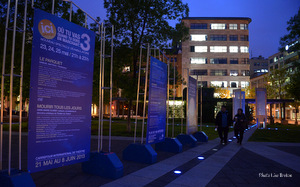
217 52
258 66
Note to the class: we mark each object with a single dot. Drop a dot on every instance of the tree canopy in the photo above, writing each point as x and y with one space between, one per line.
293 35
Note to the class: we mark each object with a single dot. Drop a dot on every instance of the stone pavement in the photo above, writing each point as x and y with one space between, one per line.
252 164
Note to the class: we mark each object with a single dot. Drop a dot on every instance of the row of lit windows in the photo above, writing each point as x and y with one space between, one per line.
220 72
204 37
219 49
224 84
261 71
202 60
218 26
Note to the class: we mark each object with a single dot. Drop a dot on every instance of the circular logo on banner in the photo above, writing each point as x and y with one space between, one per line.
47 29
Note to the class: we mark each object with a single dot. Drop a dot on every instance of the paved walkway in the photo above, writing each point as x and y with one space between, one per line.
252 164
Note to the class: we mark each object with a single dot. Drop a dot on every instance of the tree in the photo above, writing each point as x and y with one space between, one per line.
293 88
277 84
137 23
144 21
293 35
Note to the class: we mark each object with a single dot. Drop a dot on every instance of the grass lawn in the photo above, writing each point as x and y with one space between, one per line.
119 128
284 133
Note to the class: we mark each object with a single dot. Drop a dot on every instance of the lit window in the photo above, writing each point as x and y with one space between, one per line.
233 49
244 84
198 60
234 72
222 84
218 49
245 73
198 37
218 26
218 72
201 49
126 69
244 26
275 59
234 84
233 26
244 49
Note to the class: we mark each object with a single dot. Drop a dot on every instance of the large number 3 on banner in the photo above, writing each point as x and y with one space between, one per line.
86 42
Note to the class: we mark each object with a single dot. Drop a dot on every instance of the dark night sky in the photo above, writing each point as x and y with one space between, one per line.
269 17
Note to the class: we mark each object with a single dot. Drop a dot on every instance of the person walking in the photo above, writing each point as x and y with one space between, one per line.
223 121
240 124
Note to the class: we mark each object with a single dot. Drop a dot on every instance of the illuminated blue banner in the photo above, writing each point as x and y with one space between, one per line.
238 101
59 126
157 108
192 106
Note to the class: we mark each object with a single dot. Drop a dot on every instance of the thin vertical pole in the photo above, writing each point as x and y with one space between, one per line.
2 84
71 10
187 100
11 85
32 3
168 99
85 20
102 92
182 108
100 86
111 83
21 87
137 94
145 94
174 92
201 104
53 2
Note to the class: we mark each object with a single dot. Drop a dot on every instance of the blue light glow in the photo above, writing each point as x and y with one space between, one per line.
234 137
276 128
177 172
200 158
230 140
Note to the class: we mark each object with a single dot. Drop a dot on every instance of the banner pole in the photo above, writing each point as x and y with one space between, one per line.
187 100
168 98
2 84
100 86
138 93
71 10
102 92
174 92
21 87
145 94
201 103
85 20
182 108
11 85
53 2
111 84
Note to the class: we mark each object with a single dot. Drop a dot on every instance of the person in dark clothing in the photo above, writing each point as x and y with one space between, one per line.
223 121
240 124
